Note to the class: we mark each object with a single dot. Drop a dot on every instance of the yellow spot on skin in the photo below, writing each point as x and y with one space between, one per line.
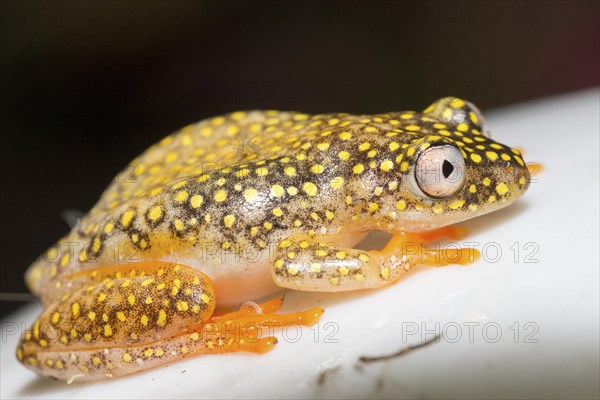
456 204
107 330
364 146
323 146
101 297
144 320
155 213
96 244
148 300
92 315
87 337
75 309
387 165
55 318
229 220
289 171
205 299
162 318
502 189
196 201
181 196
373 207
203 178
127 357
250 195
340 255
108 227
148 352
363 257
121 316
131 299
358 169
475 157
493 156
310 188
462 127
519 160
178 225
344 155
337 182
457 103
401 205
492 199
182 306
438 208
277 212
317 169
334 281
487 181
473 117
277 191
345 135
385 273
505 157
126 218
220 196
147 282
262 171
195 336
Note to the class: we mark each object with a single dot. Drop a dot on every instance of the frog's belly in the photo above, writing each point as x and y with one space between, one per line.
238 279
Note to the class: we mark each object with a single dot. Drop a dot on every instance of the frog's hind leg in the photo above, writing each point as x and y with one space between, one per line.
317 264
116 320
122 319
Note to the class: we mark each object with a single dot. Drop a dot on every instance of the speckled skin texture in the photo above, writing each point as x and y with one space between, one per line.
241 204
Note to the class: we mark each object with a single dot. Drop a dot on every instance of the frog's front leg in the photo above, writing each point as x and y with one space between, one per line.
121 319
318 264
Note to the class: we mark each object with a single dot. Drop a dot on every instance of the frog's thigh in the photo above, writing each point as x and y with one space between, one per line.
318 264
127 318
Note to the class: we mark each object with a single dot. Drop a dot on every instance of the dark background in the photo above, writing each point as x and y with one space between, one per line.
85 87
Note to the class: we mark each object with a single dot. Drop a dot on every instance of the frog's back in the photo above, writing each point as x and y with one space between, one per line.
224 178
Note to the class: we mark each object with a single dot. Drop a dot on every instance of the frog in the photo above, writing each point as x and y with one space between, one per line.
227 212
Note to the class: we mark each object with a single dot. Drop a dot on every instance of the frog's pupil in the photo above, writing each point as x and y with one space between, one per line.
447 168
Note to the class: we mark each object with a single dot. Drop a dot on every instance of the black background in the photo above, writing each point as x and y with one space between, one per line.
87 86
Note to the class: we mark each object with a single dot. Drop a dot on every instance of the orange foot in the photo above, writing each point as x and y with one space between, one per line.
412 245
241 330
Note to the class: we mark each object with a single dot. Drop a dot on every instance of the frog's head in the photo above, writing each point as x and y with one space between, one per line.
452 171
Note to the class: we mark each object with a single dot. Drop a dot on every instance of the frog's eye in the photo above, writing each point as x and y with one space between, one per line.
440 171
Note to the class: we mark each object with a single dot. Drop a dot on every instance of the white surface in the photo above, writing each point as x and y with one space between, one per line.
559 295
